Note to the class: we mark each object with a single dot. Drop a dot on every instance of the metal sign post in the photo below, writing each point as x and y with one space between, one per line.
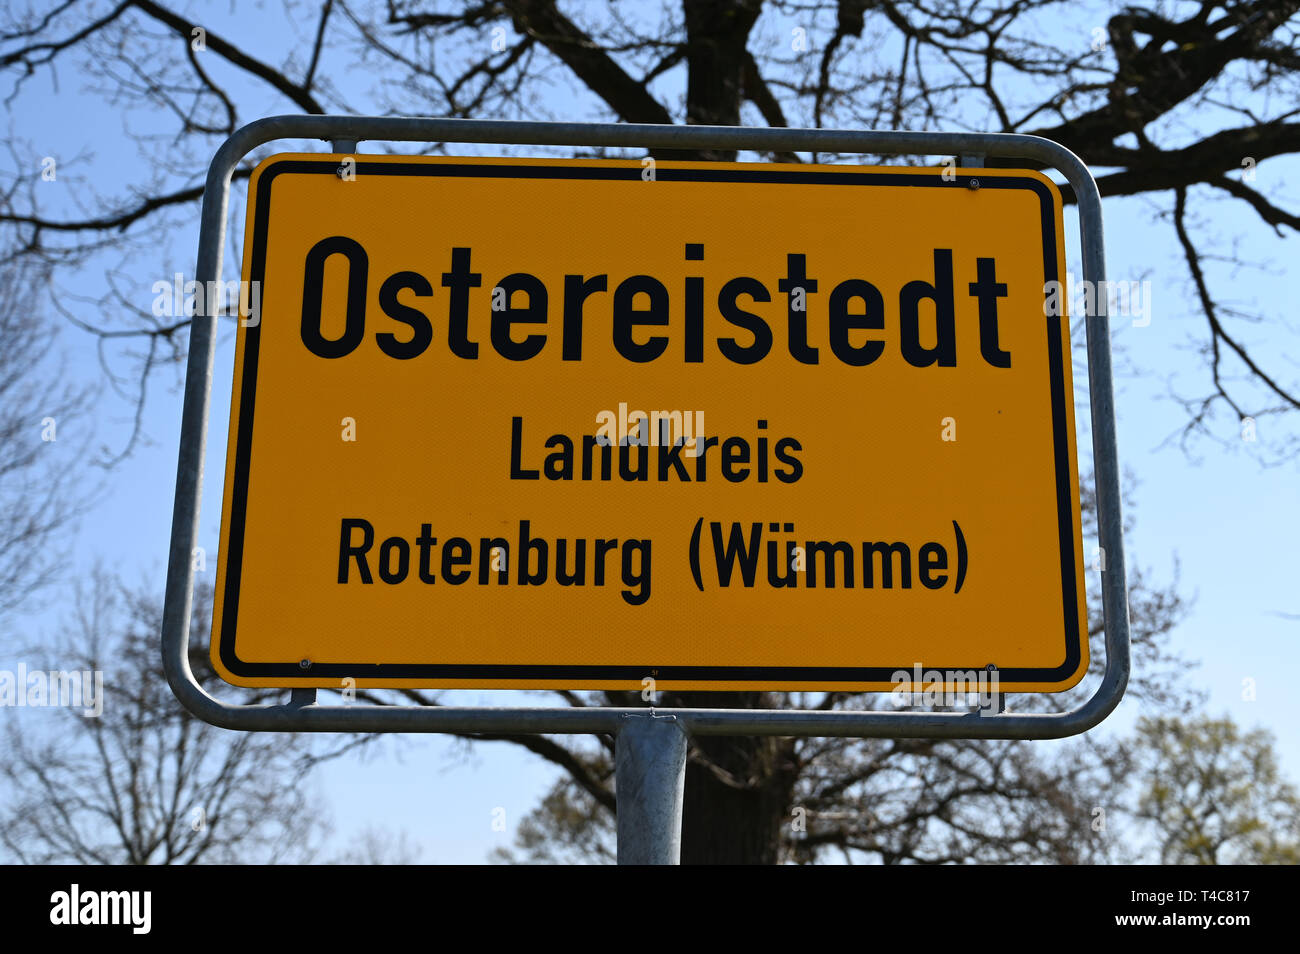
651 742
649 779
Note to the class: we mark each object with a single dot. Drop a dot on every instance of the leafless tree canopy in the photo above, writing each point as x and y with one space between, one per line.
145 782
1172 100
36 498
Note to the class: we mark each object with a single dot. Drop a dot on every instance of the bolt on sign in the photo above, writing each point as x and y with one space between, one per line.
562 423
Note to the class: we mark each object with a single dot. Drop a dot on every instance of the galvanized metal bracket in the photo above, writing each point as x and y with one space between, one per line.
303 715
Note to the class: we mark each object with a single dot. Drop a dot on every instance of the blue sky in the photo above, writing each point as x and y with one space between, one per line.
1227 523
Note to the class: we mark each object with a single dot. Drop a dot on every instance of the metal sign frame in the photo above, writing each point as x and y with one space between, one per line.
650 736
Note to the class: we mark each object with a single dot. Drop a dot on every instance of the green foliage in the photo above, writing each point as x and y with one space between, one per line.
1214 793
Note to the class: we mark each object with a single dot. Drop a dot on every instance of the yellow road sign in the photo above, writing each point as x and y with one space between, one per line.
544 423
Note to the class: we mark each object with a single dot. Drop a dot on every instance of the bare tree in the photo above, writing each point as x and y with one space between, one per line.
1120 88
379 846
145 782
36 471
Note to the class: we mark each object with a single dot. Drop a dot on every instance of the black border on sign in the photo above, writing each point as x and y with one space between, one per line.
292 672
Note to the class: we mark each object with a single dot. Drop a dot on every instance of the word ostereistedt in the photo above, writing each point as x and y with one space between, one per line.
851 310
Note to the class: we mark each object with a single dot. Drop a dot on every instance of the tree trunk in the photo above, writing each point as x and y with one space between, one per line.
738 790
717 32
